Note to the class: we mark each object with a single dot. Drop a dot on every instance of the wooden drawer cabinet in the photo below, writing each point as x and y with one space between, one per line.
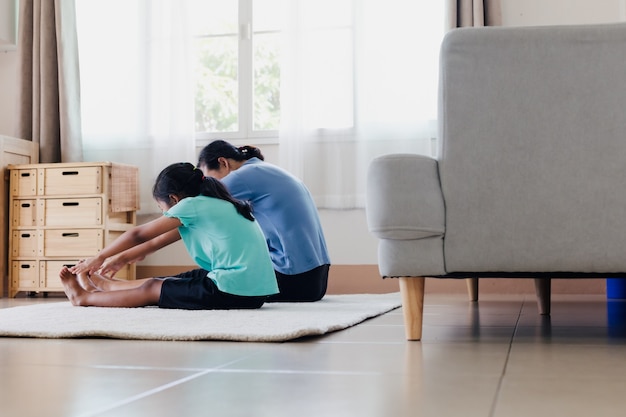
61 213
44 275
12 151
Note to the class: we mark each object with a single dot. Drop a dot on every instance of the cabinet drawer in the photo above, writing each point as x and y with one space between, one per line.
111 235
72 242
70 180
24 243
24 274
24 182
49 273
75 212
24 213
124 273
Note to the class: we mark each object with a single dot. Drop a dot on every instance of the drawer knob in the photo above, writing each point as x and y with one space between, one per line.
74 234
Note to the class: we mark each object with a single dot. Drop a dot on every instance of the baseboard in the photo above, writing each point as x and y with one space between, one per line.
365 279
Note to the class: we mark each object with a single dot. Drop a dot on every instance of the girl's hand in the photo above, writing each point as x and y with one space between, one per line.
89 265
112 265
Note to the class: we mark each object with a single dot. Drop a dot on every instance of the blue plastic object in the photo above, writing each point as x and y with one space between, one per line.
616 288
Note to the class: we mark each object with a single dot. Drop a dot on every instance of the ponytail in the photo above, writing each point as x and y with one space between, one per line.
212 187
249 151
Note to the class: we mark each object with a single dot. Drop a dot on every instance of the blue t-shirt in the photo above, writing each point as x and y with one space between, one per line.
229 246
286 213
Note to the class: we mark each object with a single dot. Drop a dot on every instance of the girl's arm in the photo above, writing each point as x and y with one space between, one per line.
129 239
139 252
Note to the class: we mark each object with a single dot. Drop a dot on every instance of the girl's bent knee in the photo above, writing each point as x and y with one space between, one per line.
152 285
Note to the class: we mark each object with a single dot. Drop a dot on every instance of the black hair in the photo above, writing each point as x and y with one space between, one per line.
222 149
184 180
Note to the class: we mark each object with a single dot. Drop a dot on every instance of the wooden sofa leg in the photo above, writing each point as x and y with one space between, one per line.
472 288
543 291
412 290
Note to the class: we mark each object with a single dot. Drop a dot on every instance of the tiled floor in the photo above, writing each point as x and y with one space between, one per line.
497 357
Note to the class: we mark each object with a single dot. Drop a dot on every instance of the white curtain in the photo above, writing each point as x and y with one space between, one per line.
136 85
358 80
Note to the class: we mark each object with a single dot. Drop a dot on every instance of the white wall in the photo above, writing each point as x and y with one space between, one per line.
348 240
8 67
560 12
8 23
346 231
8 92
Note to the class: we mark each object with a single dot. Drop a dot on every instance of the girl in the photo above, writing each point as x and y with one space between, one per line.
285 211
220 234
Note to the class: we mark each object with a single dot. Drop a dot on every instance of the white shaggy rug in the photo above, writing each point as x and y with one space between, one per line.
274 322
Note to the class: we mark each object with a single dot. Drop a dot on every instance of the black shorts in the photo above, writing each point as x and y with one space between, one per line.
194 290
305 287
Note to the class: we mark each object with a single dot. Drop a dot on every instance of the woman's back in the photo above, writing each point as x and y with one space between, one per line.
285 211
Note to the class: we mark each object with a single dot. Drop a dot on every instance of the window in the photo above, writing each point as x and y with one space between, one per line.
240 56
237 68
332 82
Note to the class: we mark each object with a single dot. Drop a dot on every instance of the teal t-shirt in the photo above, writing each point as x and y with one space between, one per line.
229 246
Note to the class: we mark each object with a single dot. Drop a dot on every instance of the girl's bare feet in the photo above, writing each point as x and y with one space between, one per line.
72 288
85 282
101 282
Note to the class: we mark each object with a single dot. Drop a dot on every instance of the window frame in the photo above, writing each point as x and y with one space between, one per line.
245 84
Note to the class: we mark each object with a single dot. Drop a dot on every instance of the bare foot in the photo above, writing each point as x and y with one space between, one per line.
85 282
72 288
101 282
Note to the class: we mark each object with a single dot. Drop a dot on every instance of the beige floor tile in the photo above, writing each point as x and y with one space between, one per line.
103 353
319 394
494 358
467 334
49 390
566 360
556 395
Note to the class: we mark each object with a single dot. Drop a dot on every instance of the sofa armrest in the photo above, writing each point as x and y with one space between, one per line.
403 197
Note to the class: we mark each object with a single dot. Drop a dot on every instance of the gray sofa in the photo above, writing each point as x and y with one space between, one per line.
530 180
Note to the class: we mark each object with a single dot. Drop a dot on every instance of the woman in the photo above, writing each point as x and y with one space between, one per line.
285 210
